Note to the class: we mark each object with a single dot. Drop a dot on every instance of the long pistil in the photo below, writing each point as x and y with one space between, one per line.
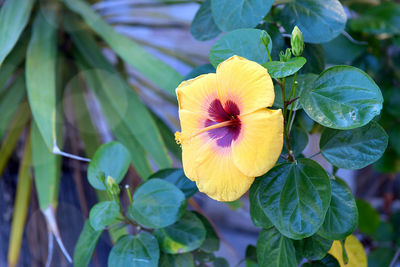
180 139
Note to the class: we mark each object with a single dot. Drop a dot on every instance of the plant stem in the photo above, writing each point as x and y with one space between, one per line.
291 96
285 132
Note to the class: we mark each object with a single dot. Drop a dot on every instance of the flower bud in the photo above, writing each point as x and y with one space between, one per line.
296 41
112 186
265 39
285 56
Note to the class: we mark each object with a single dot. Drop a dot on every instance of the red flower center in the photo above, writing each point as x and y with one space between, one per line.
219 113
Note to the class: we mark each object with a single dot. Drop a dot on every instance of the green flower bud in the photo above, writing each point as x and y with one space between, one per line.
285 56
296 41
112 186
265 39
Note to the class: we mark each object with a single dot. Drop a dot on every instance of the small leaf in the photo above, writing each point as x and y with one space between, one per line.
356 148
211 243
319 21
313 248
342 216
295 197
273 249
102 214
358 102
328 261
220 262
368 217
140 251
185 235
177 177
157 204
230 15
111 159
203 27
354 250
280 69
176 260
86 245
244 43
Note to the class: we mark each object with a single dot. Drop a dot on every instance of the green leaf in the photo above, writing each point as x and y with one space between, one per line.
211 243
151 67
177 260
280 69
12 62
384 233
102 214
244 43
203 27
358 102
220 262
388 163
202 69
276 38
230 15
14 15
304 82
157 204
368 217
342 216
380 256
319 21
342 51
298 140
295 197
257 214
394 138
383 18
315 56
86 245
111 159
185 235
41 62
313 248
140 251
177 177
356 148
203 257
328 261
274 249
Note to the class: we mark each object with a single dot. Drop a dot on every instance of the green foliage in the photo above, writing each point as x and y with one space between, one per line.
86 245
313 248
203 27
368 217
178 178
102 214
280 69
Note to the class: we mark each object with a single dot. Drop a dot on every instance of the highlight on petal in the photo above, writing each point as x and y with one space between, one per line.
245 82
260 142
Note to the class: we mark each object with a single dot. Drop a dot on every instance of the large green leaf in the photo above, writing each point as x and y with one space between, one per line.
355 148
140 251
86 245
230 15
157 204
368 217
12 62
274 249
178 260
280 69
313 248
342 51
243 42
342 216
257 214
381 256
111 159
151 67
203 26
319 21
178 178
211 243
295 197
41 74
14 15
315 56
185 235
342 97
102 214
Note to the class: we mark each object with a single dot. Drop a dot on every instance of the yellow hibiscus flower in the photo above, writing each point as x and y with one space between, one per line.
228 135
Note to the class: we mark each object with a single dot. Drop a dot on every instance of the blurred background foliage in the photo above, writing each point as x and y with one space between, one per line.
75 74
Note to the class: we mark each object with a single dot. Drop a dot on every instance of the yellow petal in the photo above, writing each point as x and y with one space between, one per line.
260 142
246 83
196 94
355 252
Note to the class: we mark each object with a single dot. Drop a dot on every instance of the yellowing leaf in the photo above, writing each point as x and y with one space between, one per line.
355 252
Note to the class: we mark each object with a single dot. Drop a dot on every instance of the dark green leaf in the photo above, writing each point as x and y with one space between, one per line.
177 260
358 102
202 69
298 140
319 21
342 51
111 159
273 249
257 214
203 257
380 257
356 148
178 178
211 243
86 245
295 197
151 67
243 42
328 261
12 62
185 235
14 15
102 214
384 233
394 138
203 26
220 262
140 251
40 62
342 216
368 217
157 203
280 69
313 248
388 163
315 56
230 15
